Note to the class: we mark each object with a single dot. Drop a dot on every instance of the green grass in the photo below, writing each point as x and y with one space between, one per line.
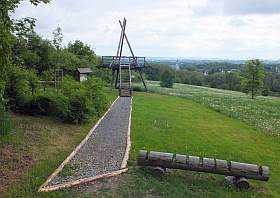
160 123
35 149
173 124
262 113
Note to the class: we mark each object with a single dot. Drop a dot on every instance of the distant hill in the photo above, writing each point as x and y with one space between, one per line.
210 64
202 61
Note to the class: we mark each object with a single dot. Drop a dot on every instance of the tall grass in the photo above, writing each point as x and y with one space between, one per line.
6 124
263 113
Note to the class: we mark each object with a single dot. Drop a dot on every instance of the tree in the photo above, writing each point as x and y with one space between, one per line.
80 49
254 77
167 78
154 70
84 53
23 27
233 80
6 30
57 38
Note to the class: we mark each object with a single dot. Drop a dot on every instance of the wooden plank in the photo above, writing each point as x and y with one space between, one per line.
128 141
82 181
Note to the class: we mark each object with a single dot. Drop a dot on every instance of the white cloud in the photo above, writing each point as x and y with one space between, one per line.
193 28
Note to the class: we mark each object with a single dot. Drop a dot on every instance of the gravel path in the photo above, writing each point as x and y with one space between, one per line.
105 149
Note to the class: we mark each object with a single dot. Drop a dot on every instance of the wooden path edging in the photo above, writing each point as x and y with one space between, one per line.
128 141
82 181
44 188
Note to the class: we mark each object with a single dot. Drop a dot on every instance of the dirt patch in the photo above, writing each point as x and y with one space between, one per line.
13 163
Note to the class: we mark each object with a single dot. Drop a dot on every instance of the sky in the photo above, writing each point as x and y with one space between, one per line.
225 29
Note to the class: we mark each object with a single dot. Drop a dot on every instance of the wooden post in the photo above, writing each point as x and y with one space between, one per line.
117 77
142 80
208 165
127 41
113 77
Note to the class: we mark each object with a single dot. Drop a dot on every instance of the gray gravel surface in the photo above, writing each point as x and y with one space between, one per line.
105 148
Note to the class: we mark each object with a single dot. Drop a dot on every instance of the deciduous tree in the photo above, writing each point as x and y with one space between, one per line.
254 73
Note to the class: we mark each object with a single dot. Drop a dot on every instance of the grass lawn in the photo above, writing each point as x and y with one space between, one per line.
173 124
161 123
34 150
262 113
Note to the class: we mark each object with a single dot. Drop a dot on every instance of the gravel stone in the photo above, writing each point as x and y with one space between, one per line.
105 148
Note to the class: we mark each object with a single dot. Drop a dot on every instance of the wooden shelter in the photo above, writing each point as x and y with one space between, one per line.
83 73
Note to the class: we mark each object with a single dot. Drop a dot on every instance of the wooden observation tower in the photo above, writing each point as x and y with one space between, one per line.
122 66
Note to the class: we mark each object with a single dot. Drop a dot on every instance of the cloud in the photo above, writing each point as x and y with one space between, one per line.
193 28
245 7
238 7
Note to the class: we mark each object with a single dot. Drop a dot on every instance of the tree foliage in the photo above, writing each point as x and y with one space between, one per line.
254 77
57 38
167 78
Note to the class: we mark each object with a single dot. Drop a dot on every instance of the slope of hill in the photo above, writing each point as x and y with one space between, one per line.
262 113
173 124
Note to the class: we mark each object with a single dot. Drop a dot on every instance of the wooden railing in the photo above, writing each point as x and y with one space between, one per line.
115 61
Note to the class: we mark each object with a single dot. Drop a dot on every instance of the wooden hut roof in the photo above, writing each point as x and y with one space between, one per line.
86 70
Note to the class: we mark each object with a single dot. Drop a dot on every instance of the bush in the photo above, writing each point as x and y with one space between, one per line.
167 79
96 99
48 75
265 91
6 124
78 110
40 105
20 88
137 88
74 103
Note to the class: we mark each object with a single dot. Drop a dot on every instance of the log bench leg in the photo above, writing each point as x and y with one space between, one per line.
157 172
239 182
242 183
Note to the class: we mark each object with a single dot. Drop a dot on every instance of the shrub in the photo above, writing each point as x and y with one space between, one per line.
77 110
59 106
2 100
40 105
167 79
70 87
96 99
33 80
137 88
48 75
6 124
74 103
19 88
265 91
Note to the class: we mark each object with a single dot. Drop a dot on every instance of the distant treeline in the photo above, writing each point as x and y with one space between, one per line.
216 75
212 67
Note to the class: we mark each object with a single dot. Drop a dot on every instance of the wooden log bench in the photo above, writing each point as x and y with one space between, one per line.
240 172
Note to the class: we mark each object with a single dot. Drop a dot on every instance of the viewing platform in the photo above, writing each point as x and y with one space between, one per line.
114 62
